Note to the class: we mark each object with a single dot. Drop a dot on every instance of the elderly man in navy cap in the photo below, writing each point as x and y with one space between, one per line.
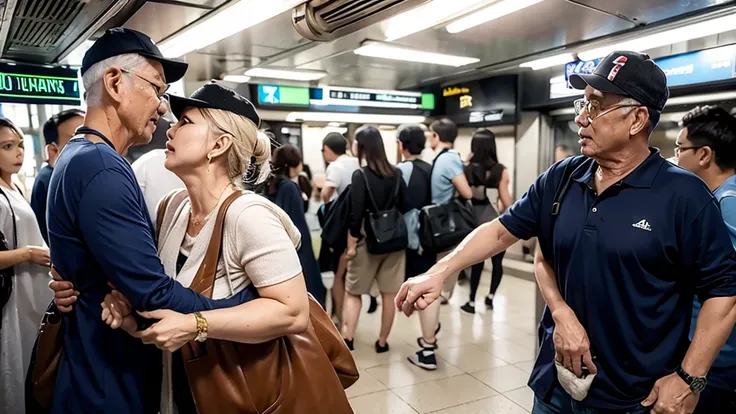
627 239
101 232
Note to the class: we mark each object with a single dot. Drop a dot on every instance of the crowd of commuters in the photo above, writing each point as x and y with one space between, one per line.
617 334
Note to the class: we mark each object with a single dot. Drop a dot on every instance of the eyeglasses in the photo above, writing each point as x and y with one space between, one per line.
680 150
595 111
159 90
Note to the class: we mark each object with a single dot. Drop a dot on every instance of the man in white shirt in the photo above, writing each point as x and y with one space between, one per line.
338 176
341 166
155 180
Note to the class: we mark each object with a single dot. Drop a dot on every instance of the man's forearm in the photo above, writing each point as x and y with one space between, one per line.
184 300
326 194
547 282
715 323
486 241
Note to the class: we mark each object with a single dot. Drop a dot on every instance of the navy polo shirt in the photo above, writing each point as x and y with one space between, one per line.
628 262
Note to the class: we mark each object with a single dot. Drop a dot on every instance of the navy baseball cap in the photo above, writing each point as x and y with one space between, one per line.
120 41
630 74
215 96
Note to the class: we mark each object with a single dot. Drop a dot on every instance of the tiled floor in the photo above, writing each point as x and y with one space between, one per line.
484 360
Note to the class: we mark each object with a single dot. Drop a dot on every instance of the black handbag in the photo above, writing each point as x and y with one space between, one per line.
444 226
8 274
385 229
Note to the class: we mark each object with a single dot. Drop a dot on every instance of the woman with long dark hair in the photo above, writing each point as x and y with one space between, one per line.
377 186
485 173
283 190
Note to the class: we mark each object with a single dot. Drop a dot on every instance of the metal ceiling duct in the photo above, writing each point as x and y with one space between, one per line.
324 20
41 31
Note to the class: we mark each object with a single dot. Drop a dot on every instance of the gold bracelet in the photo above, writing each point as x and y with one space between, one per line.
201 327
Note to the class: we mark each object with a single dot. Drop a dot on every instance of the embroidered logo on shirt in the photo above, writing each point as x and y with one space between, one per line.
644 225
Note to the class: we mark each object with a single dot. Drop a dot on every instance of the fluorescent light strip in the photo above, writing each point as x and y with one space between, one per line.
492 12
236 78
667 37
345 117
548 62
386 51
224 23
426 16
297 75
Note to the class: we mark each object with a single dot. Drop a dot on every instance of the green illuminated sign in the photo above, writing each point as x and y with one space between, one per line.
38 85
428 101
283 95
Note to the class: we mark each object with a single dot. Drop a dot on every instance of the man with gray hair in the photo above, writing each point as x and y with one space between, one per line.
101 233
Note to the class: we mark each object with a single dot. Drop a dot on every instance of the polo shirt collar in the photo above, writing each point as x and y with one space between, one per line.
642 177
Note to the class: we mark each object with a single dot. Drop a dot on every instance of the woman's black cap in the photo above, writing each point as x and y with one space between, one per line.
215 96
120 41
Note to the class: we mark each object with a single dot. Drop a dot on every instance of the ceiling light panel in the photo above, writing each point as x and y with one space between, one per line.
223 23
345 117
492 12
236 78
426 16
549 62
388 51
296 75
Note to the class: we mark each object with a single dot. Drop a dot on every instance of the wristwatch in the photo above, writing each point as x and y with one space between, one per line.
201 327
697 384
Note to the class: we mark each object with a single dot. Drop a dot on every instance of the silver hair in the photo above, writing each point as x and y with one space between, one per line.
93 76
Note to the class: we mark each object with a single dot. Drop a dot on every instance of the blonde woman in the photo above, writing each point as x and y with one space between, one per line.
210 148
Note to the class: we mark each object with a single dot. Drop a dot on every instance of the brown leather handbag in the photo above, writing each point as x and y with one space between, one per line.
296 374
45 360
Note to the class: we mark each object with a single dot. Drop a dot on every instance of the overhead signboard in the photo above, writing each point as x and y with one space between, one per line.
283 95
326 97
376 98
703 66
484 102
27 84
580 67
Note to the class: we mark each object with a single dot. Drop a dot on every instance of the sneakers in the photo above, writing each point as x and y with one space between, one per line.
381 349
489 302
349 343
425 358
468 308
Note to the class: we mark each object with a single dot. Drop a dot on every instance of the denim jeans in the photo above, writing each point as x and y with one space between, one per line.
562 403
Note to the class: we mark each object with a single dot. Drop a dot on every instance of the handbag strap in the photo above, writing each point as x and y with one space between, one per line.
204 280
368 189
12 214
162 206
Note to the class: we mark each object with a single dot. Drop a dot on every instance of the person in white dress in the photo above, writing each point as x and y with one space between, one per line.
28 255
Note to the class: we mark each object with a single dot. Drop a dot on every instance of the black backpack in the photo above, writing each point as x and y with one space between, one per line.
444 226
7 274
385 229
334 221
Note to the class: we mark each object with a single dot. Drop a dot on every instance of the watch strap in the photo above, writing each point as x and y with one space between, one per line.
696 384
202 327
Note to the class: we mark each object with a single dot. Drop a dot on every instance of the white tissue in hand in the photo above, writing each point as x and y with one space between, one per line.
576 387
